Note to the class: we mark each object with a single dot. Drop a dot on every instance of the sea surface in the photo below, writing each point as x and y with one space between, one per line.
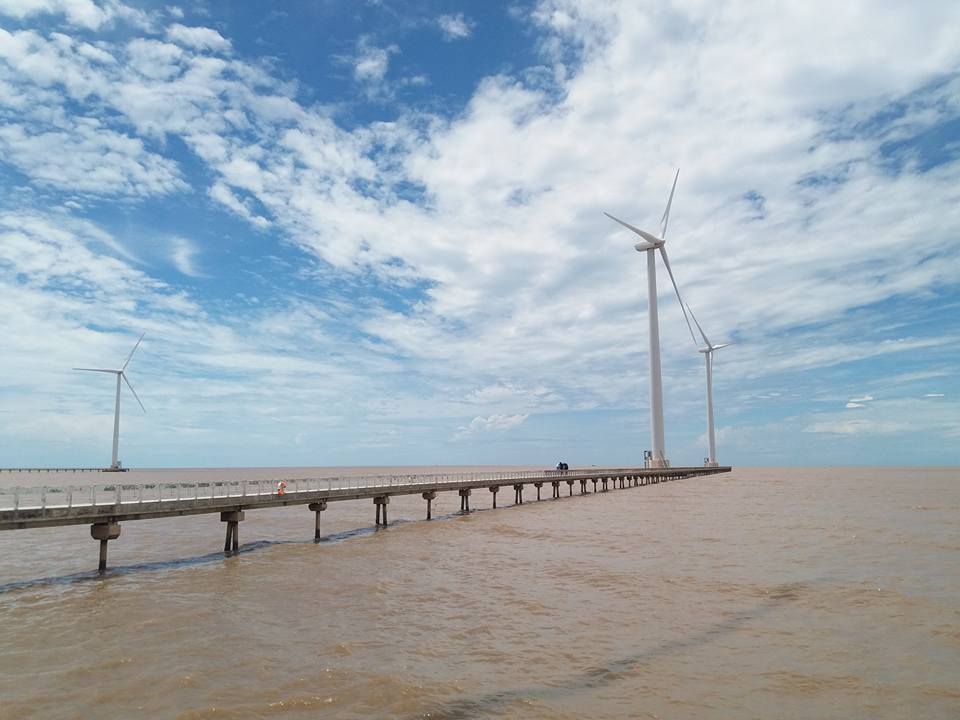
763 593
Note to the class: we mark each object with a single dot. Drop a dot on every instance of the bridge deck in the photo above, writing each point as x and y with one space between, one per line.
32 507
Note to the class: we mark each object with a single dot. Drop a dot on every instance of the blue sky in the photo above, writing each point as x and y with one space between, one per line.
361 233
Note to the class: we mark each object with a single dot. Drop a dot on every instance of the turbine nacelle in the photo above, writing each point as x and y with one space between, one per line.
650 242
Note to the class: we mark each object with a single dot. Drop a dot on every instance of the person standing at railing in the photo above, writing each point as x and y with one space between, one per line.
282 487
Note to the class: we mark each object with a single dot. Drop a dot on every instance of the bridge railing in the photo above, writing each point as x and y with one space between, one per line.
127 494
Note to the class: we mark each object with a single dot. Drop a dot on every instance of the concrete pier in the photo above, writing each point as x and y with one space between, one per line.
429 497
381 503
104 532
317 507
105 506
232 541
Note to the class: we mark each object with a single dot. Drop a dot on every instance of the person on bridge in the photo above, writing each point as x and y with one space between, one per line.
281 487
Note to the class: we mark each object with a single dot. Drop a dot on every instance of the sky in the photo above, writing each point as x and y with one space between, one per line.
372 233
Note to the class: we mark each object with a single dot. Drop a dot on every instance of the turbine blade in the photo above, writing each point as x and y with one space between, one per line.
702 333
627 225
666 261
666 213
723 345
124 376
127 362
96 370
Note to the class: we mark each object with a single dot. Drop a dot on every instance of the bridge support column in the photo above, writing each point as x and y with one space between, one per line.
464 500
583 486
429 497
317 507
494 489
538 486
232 518
570 487
381 502
556 488
104 532
518 494
594 481
603 481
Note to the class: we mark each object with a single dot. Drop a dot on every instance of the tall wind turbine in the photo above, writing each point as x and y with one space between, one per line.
708 350
121 374
649 244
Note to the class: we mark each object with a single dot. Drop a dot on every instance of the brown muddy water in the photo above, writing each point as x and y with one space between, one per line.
765 593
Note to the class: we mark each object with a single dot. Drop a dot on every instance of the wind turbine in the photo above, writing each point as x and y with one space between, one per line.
649 244
115 464
708 350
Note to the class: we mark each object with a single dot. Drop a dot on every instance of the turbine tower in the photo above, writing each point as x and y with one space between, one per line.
708 351
115 463
649 244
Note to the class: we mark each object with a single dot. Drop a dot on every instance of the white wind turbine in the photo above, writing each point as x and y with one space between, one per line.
708 350
115 464
649 244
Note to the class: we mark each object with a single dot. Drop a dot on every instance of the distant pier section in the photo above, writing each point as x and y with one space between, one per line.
62 470
105 506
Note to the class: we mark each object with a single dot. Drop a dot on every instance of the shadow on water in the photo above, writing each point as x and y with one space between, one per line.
598 677
213 557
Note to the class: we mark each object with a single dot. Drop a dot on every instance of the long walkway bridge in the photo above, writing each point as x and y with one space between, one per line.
105 506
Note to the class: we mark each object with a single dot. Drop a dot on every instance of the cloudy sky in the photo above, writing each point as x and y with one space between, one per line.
372 232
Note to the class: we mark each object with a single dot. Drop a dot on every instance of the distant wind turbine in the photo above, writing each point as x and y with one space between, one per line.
708 350
649 244
115 464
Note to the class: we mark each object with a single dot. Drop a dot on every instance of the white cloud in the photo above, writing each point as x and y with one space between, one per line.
88 158
199 38
182 255
455 27
370 64
222 194
80 13
934 395
858 427
864 399
491 423
852 404
83 13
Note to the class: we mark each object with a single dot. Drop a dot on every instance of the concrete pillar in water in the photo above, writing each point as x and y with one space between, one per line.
232 518
538 486
594 481
494 489
317 507
381 502
556 488
429 497
604 481
570 487
104 532
464 500
583 486
518 494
